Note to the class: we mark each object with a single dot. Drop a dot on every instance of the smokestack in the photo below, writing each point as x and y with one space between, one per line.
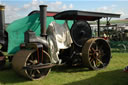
43 17
2 20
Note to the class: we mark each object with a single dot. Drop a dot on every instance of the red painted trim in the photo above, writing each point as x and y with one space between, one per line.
51 14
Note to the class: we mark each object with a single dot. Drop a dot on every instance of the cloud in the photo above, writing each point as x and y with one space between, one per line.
106 8
59 6
67 7
56 6
58 2
34 5
123 13
71 6
114 5
12 12
64 6
113 9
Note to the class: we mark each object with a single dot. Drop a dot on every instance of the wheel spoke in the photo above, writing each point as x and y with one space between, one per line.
30 72
97 48
94 63
30 61
38 71
101 54
91 59
93 50
34 73
90 54
99 61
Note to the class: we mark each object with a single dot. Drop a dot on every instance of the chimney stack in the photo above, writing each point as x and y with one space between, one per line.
43 18
2 20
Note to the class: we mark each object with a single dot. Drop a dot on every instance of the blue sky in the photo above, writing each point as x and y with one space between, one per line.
19 8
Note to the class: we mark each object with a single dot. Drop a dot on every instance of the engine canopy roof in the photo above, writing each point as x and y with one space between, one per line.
83 15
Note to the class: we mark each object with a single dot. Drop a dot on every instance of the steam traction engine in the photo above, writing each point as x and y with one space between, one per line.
60 44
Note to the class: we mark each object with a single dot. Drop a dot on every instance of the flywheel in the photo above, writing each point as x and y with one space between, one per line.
80 32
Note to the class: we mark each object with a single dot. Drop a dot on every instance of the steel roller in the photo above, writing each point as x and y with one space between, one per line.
25 58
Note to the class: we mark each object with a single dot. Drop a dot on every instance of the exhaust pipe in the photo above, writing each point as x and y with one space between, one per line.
2 20
43 18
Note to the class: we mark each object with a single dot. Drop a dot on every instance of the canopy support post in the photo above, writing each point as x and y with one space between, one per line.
98 26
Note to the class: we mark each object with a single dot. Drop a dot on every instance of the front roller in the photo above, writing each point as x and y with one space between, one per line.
96 53
25 62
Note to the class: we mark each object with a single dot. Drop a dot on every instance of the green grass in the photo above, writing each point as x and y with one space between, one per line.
113 22
119 21
112 75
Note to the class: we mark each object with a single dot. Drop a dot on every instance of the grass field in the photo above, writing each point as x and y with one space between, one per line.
113 22
112 75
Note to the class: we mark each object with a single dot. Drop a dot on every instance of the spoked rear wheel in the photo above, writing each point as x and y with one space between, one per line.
96 53
27 58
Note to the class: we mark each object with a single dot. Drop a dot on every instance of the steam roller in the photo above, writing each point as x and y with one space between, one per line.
96 53
34 59
26 63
